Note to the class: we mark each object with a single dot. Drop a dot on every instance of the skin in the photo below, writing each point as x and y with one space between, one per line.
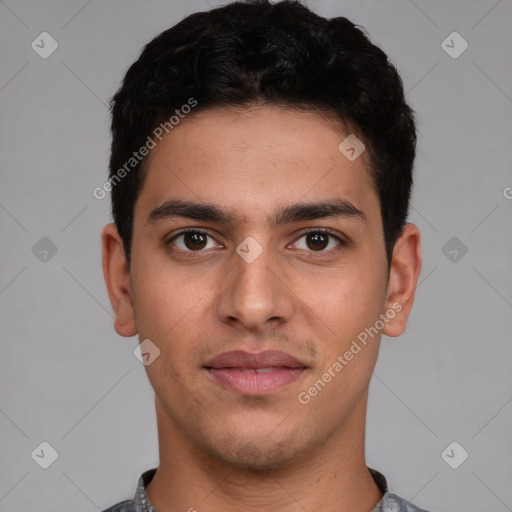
221 450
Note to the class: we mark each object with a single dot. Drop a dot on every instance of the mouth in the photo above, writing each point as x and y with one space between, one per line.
255 374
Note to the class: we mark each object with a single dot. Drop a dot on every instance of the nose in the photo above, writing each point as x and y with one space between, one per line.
254 295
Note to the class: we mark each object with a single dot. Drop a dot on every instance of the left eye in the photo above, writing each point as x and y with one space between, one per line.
317 241
193 241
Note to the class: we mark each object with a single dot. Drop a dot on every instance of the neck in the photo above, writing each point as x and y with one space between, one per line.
335 477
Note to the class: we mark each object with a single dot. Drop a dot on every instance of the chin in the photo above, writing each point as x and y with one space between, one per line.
263 456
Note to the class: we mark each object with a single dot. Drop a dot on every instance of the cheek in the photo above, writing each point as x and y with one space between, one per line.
158 310
173 311
163 297
346 301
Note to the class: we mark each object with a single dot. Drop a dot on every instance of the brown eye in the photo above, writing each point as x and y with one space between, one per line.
195 240
317 241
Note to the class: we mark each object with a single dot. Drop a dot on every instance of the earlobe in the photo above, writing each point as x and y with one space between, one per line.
403 279
117 280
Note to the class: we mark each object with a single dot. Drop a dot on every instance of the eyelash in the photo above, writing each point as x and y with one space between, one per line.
323 231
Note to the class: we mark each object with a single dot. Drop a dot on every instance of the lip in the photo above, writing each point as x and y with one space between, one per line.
255 374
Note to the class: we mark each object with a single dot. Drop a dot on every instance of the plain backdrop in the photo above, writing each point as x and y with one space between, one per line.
66 377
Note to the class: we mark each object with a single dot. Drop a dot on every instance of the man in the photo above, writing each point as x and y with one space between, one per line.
260 175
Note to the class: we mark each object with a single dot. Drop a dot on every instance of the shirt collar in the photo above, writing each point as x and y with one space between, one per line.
141 502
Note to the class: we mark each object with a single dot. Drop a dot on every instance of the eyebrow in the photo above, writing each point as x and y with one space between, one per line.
337 208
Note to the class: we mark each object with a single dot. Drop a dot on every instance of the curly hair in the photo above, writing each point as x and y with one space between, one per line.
283 54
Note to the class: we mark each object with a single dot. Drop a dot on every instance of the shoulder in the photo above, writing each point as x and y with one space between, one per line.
393 503
123 506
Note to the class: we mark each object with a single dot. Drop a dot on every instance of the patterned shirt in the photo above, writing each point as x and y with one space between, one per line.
140 503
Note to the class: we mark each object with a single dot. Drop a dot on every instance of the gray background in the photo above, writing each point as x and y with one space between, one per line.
68 379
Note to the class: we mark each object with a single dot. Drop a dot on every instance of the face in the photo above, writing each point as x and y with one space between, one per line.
257 261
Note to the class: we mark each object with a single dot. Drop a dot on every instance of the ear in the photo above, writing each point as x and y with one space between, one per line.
404 272
117 279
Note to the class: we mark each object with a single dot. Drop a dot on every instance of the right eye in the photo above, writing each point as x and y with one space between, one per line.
192 240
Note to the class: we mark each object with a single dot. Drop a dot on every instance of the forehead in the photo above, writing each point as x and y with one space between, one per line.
251 159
